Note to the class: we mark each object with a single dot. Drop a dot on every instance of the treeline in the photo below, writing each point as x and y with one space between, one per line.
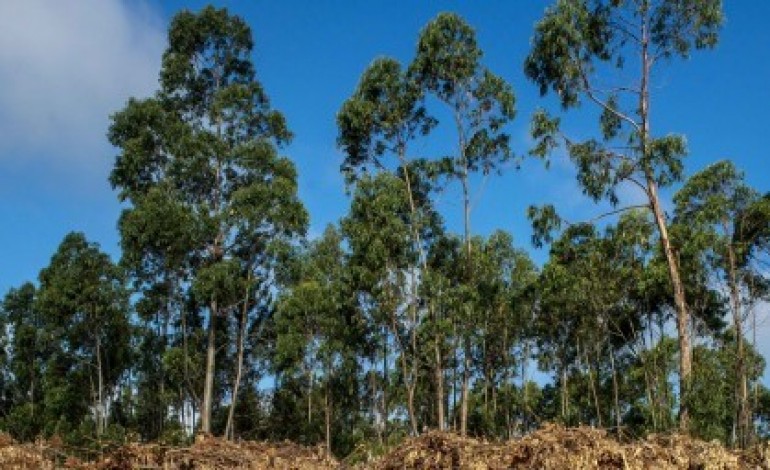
223 317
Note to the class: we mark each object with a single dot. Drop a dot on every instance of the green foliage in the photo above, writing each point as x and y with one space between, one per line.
357 338
447 64
211 200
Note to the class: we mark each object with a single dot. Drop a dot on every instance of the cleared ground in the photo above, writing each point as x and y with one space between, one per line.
550 448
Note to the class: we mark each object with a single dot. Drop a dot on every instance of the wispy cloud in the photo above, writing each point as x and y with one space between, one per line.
64 68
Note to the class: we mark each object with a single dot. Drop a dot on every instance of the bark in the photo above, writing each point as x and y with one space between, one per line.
385 414
742 412
682 313
439 377
564 410
328 419
594 393
309 373
208 388
100 387
465 393
410 382
616 395
229 427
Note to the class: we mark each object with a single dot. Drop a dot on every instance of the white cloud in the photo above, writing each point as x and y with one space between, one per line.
65 66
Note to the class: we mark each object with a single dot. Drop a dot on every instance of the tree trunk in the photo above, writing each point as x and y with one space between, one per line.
100 387
229 427
683 317
592 381
328 418
616 395
439 377
564 411
208 388
385 385
742 390
309 374
465 393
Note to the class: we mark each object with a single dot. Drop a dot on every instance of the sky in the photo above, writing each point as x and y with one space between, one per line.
65 67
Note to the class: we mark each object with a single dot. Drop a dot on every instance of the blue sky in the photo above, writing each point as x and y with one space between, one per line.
66 66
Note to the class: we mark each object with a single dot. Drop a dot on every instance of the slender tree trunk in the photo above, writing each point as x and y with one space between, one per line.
385 417
465 392
309 374
328 418
100 387
229 427
616 395
208 388
742 390
683 317
592 381
564 410
375 405
464 180
525 415
416 239
455 348
439 377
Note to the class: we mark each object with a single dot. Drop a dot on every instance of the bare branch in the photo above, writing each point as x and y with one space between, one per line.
618 211
590 92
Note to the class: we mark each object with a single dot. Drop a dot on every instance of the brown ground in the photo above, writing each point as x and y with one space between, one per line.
550 448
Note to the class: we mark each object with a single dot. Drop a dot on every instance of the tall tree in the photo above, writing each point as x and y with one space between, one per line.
575 43
83 300
381 253
448 66
318 330
25 361
383 117
205 147
732 222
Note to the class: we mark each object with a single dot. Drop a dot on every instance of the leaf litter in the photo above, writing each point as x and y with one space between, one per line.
552 447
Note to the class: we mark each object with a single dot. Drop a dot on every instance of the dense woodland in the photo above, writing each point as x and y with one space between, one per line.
223 317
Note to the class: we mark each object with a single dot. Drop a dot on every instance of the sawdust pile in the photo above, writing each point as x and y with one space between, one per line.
22 456
206 454
554 447
211 454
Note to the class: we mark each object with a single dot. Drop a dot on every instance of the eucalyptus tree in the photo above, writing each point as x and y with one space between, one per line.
564 318
448 66
504 305
205 150
577 47
599 294
731 222
379 121
317 328
381 252
23 362
84 304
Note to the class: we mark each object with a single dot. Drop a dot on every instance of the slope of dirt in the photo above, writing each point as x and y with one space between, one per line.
557 448
550 448
211 454
15 456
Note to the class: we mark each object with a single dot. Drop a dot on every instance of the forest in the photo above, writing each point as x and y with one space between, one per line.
224 316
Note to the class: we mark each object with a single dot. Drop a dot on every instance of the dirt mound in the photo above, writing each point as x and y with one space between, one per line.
210 454
554 447
15 456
